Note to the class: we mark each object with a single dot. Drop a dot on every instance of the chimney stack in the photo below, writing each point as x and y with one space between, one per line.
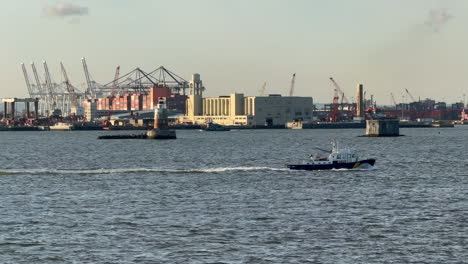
360 101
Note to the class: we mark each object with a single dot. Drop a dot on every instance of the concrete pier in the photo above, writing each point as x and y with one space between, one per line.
383 128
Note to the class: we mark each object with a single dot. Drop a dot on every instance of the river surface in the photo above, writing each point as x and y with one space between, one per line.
226 197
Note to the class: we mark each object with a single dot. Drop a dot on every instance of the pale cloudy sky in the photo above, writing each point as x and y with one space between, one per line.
236 45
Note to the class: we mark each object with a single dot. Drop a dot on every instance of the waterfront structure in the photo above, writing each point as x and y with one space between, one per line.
239 110
10 103
383 128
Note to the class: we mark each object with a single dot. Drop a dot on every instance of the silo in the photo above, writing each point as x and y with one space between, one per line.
360 101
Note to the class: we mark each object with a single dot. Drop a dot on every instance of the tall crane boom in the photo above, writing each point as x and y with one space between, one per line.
293 82
26 78
115 84
50 86
344 99
38 81
90 91
410 95
334 111
70 88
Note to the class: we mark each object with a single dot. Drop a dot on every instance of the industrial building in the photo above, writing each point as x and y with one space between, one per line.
239 110
133 95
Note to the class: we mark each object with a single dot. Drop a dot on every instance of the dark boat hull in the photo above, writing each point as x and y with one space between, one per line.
335 165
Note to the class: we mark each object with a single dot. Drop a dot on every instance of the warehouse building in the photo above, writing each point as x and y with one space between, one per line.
239 110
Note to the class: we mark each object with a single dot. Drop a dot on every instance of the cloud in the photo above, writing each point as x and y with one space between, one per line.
64 10
437 18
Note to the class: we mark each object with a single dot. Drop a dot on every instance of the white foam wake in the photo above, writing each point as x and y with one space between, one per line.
136 170
367 167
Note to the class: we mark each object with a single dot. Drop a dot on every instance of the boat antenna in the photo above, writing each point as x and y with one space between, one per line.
334 145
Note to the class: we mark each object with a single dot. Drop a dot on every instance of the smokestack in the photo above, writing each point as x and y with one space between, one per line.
360 101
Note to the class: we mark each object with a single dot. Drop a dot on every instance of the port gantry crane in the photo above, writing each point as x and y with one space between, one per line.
55 98
293 82
140 81
38 81
41 93
91 90
136 80
34 90
338 92
115 84
52 97
72 95
169 79
28 83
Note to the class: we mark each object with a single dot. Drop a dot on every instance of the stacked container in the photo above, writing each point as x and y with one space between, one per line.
136 102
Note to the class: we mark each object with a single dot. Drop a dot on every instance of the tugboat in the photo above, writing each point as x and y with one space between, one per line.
344 158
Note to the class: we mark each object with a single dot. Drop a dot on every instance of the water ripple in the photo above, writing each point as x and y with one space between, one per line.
228 198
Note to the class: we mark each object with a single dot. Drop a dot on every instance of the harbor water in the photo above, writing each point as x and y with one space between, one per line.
226 197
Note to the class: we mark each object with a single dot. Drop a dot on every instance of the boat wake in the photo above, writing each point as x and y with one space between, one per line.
135 170
363 167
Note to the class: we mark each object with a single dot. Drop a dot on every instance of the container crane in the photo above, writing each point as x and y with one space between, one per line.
39 87
91 91
70 89
50 87
26 78
115 83
36 78
293 82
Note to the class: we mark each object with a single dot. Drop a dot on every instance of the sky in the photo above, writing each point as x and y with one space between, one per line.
237 45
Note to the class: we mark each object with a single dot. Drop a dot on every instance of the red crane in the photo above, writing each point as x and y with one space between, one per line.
338 89
334 111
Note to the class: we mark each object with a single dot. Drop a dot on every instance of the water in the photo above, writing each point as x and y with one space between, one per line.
226 197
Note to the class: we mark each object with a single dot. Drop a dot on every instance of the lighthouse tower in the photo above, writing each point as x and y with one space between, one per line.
160 115
161 128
